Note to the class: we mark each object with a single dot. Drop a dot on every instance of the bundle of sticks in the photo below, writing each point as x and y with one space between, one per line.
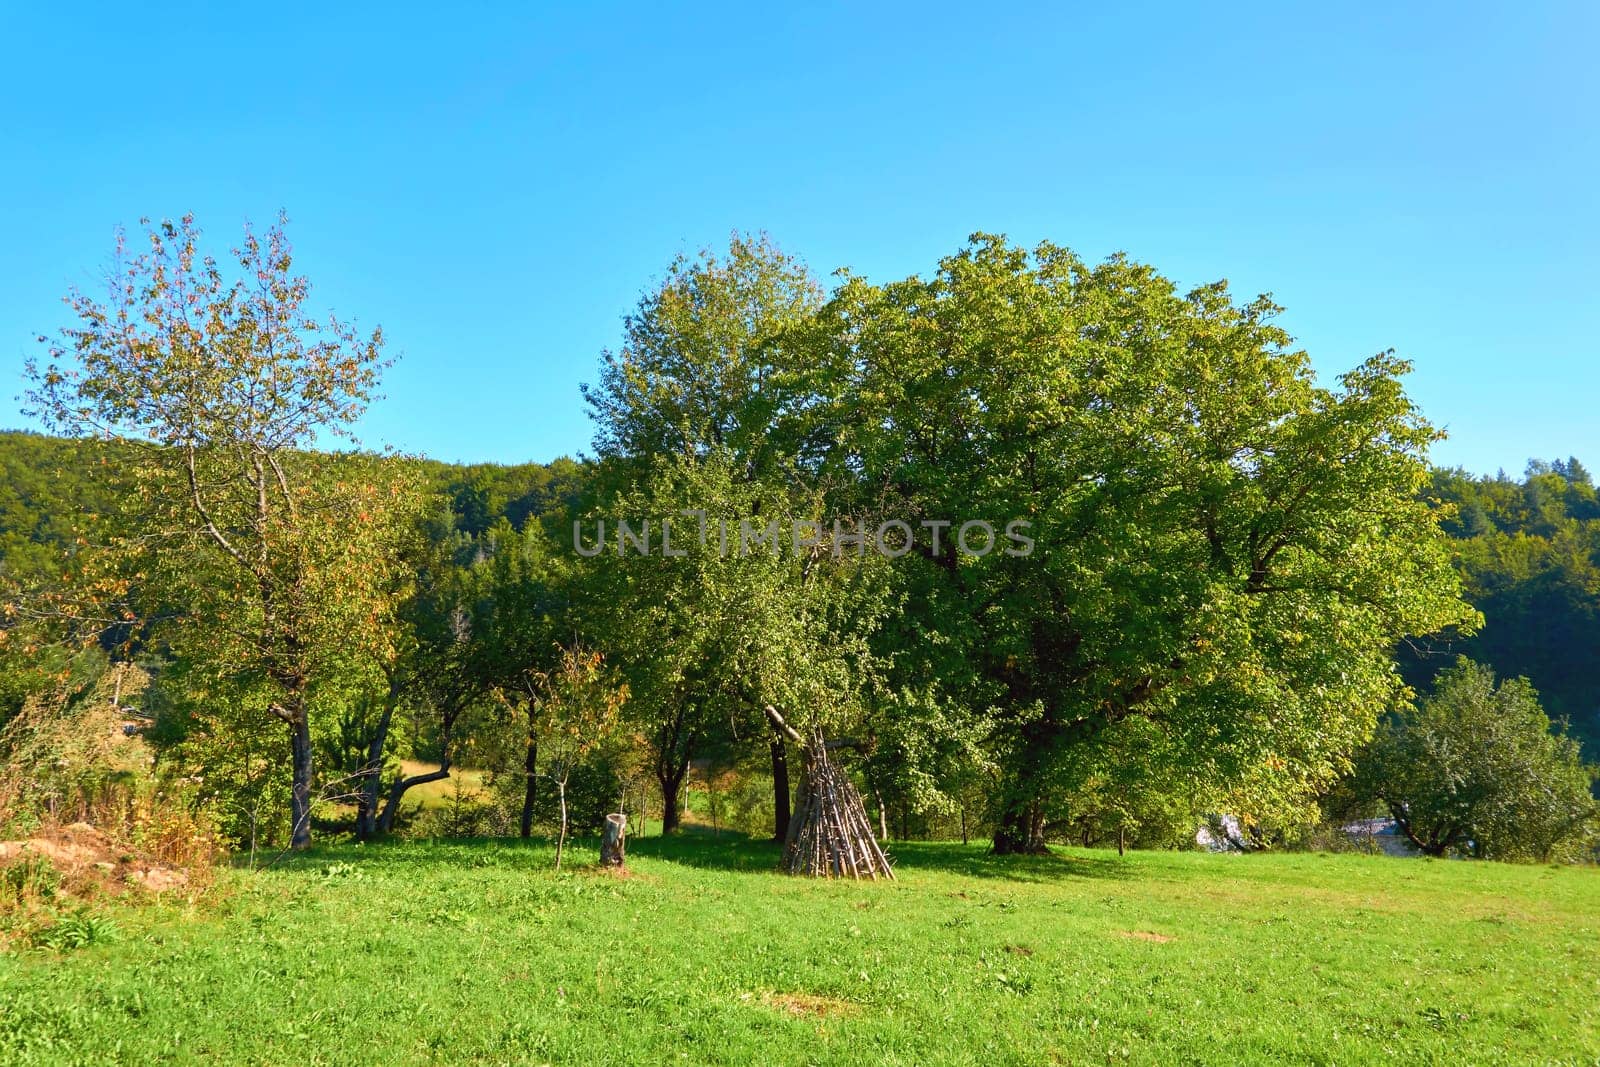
829 836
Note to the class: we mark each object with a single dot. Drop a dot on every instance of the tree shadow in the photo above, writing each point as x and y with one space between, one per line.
976 861
397 853
693 846
729 851
721 850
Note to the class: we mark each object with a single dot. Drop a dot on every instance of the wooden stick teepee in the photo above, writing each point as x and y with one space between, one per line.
829 835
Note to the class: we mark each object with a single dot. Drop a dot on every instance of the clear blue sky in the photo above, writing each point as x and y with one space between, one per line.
497 186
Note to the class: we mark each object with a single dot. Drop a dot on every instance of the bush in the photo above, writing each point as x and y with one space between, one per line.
1478 769
226 752
746 803
73 779
594 790
461 815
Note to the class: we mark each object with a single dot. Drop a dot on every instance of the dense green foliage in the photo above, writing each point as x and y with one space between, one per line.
1224 550
1218 555
1530 552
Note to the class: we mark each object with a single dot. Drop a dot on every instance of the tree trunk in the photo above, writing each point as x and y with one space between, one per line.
561 840
883 816
671 784
529 765
780 790
300 781
1021 831
674 748
372 772
613 841
963 824
1435 844
397 791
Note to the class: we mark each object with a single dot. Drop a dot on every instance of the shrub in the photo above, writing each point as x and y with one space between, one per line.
1478 769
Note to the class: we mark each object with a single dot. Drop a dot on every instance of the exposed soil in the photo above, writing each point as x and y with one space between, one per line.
622 873
88 861
809 1005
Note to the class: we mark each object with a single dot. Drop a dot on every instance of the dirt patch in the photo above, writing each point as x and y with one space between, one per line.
62 855
89 862
621 874
159 879
1019 950
1147 935
809 1005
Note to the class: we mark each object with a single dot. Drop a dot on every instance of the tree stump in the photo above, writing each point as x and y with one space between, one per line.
613 841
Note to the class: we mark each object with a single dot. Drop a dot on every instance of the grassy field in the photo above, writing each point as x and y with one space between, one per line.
439 794
475 952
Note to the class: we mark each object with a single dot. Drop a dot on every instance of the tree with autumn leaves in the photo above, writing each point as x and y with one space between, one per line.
263 562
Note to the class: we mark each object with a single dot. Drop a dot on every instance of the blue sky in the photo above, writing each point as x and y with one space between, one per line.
496 184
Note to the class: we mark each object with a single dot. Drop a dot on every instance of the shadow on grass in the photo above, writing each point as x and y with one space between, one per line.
976 861
695 846
699 847
332 858
724 850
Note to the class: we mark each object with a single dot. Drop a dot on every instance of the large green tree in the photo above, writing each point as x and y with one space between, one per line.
708 362
1221 547
704 417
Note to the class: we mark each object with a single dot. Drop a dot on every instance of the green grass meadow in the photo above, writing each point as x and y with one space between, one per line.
475 952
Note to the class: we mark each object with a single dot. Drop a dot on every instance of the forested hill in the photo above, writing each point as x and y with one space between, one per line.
1529 548
1530 551
46 481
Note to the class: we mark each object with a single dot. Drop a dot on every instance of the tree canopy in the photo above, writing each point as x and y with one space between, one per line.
1223 548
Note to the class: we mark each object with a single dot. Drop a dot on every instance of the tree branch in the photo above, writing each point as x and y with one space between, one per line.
782 727
205 514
